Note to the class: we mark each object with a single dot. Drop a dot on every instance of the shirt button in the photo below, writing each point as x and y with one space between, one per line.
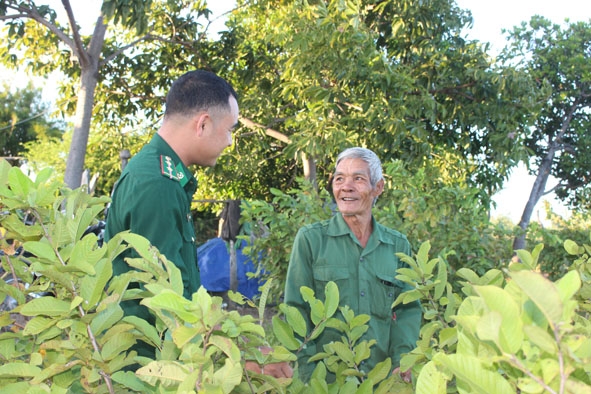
363 294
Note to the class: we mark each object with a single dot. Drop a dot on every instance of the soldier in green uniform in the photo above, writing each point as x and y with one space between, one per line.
359 255
153 195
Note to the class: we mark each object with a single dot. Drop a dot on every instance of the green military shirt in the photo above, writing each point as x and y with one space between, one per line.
329 251
153 198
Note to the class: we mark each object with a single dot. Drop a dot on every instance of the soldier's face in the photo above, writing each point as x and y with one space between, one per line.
219 133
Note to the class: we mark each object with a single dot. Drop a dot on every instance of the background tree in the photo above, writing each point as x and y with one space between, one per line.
146 38
559 139
23 118
395 76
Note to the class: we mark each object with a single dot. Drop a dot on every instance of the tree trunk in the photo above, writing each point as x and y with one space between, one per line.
309 169
536 193
233 267
89 65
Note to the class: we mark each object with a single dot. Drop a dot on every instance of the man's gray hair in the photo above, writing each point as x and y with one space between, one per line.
372 160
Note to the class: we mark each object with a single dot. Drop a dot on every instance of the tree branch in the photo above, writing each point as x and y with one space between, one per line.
15 16
269 131
124 48
33 14
567 120
77 46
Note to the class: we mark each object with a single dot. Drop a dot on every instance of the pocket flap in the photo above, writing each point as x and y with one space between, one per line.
330 273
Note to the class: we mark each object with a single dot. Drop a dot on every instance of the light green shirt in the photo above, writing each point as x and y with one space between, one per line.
329 251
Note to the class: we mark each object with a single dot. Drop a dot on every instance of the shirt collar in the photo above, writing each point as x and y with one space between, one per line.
161 146
337 227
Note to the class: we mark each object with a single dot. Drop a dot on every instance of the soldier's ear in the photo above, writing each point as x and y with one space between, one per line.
200 122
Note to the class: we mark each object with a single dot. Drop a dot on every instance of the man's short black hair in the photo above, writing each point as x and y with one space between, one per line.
197 91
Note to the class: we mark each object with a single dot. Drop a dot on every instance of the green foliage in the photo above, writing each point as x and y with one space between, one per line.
395 77
74 334
313 77
558 59
343 358
554 262
274 226
434 202
23 118
506 332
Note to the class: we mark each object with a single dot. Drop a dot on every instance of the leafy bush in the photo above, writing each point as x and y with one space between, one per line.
505 331
554 262
76 336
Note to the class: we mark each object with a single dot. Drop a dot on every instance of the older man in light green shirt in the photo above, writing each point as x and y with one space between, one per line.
359 255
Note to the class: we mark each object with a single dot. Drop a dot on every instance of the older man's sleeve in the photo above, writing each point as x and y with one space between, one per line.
407 325
299 273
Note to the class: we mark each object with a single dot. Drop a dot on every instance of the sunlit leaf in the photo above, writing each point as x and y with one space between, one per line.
46 306
542 292
295 320
431 381
331 302
106 318
284 334
167 373
116 344
18 370
471 373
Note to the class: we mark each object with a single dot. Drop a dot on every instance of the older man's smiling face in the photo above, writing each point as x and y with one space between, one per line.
352 188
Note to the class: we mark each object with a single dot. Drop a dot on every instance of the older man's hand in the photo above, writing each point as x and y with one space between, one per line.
406 376
276 370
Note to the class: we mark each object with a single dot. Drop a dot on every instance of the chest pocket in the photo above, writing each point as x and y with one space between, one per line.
327 273
188 229
385 292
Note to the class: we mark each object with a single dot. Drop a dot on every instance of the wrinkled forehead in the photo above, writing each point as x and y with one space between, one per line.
352 166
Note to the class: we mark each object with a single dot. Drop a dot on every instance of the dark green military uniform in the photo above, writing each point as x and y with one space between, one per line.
153 198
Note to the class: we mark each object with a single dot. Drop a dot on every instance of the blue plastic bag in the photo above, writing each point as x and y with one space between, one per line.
214 265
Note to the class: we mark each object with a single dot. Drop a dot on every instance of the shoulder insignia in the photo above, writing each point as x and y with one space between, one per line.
180 175
168 168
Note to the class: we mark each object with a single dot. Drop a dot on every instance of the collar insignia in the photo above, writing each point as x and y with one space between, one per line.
171 171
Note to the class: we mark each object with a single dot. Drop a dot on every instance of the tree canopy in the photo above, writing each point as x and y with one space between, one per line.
24 117
111 75
559 61
394 76
314 77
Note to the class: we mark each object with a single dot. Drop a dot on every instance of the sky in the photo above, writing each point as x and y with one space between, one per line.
490 17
